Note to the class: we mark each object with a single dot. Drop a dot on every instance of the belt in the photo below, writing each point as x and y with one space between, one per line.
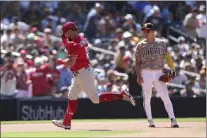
78 71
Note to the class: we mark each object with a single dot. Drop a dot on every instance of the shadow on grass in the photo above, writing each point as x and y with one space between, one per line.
100 130
169 127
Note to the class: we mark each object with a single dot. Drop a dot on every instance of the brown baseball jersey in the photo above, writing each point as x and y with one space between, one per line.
151 56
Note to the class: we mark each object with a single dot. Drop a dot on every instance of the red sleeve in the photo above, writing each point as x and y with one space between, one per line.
66 43
65 40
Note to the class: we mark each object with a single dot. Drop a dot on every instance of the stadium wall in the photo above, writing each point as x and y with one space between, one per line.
45 108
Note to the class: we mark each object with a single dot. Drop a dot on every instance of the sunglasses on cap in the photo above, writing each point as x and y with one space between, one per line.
146 30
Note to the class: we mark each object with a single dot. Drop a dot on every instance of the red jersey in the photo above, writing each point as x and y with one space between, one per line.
78 47
55 73
40 85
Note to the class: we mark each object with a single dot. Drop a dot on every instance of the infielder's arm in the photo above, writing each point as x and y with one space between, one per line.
137 57
169 61
138 71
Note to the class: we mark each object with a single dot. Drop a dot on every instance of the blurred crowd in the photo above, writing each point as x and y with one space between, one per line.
28 57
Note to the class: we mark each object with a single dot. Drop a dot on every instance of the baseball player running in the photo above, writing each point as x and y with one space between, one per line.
84 77
149 56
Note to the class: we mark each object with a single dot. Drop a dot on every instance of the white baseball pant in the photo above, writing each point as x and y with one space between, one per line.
151 77
84 81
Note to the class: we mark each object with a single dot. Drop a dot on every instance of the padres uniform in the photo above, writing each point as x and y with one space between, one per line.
152 60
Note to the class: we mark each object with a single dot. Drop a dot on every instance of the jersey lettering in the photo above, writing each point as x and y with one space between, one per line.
83 42
9 76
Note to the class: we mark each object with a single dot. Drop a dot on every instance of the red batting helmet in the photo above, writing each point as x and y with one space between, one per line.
69 26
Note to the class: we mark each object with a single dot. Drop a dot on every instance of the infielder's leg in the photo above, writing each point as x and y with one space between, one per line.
147 92
72 101
162 90
87 81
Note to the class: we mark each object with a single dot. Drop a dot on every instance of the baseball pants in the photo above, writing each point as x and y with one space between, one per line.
150 78
84 81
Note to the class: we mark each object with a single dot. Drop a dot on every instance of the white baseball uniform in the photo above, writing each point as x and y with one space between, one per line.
151 57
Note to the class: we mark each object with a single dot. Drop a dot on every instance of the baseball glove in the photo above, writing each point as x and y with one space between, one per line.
167 76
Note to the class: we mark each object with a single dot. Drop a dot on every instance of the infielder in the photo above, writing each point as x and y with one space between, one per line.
150 57
84 77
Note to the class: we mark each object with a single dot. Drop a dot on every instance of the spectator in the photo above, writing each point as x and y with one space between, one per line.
50 22
16 23
118 34
17 38
47 40
90 27
102 83
112 45
130 24
105 27
202 80
33 14
113 23
23 56
182 45
127 40
65 80
192 87
180 78
120 65
201 30
6 38
52 75
8 80
58 29
191 23
38 81
156 19
22 86
77 15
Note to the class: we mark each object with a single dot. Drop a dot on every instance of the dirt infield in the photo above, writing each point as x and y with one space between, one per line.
187 129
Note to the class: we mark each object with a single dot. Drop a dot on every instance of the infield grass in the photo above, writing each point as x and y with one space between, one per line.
66 134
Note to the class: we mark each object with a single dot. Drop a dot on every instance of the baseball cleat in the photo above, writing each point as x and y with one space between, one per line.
151 123
128 97
59 123
174 123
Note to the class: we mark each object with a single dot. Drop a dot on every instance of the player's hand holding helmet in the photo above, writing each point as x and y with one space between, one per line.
167 76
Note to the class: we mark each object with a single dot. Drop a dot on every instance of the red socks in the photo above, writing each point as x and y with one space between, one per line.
72 105
108 96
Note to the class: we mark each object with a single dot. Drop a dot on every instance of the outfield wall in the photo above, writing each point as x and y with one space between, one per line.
49 108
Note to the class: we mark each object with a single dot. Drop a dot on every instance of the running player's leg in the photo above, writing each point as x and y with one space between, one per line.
162 90
87 79
72 101
147 92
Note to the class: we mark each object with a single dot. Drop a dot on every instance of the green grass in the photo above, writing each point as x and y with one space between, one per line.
109 120
66 134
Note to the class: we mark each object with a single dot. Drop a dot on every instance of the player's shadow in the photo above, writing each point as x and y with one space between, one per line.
169 127
99 130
